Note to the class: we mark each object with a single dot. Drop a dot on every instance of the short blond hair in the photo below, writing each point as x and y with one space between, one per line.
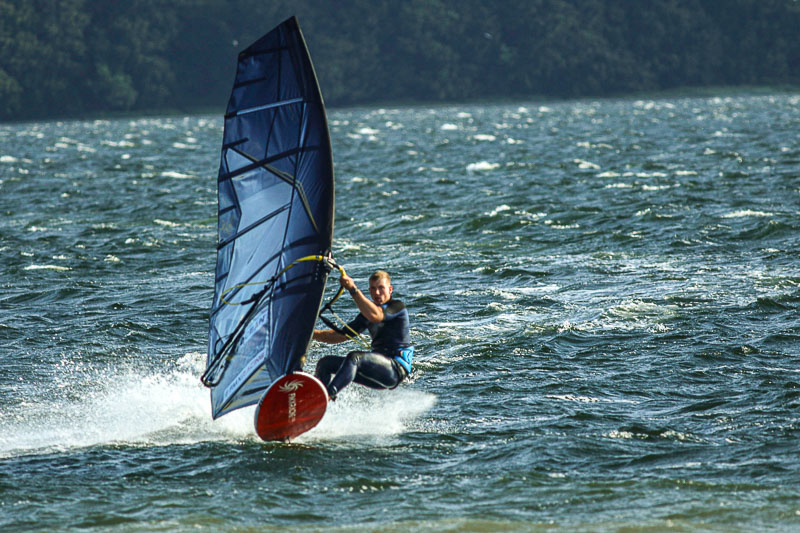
380 274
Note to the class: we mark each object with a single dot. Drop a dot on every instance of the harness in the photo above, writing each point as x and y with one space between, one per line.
405 358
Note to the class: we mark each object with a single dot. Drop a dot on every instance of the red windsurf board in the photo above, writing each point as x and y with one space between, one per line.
291 406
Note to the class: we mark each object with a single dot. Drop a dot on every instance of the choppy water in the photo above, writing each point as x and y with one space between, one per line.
605 305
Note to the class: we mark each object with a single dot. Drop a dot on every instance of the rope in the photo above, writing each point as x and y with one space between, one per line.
355 337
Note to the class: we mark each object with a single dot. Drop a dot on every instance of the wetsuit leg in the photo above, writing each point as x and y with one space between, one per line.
372 370
327 367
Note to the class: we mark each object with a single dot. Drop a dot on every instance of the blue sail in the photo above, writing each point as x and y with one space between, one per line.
276 205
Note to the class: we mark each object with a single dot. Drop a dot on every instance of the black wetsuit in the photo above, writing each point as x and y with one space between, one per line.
385 366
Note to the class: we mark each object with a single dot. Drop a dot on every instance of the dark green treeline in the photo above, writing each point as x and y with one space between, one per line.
72 57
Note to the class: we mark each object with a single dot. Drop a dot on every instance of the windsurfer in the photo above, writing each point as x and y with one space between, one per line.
386 319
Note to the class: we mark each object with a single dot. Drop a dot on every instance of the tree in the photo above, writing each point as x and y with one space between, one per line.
44 55
64 57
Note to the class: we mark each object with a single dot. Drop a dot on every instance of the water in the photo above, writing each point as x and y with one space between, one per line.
604 299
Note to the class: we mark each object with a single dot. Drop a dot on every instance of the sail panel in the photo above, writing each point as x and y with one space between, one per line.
275 189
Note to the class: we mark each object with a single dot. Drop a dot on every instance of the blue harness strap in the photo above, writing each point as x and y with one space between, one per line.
405 358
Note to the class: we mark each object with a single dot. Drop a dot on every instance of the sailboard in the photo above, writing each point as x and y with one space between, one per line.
275 229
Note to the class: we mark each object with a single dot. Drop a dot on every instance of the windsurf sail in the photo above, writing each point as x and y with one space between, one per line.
275 225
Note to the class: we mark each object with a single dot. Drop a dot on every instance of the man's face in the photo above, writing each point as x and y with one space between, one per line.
380 291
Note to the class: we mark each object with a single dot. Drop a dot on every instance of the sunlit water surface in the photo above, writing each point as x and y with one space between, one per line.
605 308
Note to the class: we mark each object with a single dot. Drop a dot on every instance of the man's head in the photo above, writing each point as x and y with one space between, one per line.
380 287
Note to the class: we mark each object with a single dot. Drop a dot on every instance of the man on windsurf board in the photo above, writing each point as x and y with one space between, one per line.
389 361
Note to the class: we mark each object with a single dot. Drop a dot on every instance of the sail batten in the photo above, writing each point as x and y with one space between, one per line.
262 107
275 192
253 53
255 162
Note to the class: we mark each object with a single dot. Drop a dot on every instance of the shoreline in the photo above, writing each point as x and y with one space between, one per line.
678 92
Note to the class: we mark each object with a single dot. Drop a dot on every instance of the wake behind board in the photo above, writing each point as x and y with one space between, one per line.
291 406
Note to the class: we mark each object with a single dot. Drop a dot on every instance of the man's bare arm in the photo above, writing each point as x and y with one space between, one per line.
328 336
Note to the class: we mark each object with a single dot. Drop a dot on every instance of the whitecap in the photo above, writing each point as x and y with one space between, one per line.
184 146
566 326
176 175
608 174
573 398
650 175
8 159
633 309
368 131
484 137
747 213
344 245
449 127
586 164
166 223
528 216
619 435
538 289
47 267
117 144
499 209
677 435
482 165
556 225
